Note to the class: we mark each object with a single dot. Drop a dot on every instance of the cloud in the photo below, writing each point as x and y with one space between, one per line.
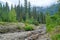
33 2
9 3
43 2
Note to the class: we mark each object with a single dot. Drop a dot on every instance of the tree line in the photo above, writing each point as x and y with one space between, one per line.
21 13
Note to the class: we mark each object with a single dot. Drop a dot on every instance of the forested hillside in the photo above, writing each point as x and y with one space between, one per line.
21 13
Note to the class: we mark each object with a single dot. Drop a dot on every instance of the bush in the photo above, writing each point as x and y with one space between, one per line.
28 28
30 21
36 23
56 37
50 27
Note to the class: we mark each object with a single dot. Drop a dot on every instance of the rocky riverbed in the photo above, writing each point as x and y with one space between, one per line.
38 34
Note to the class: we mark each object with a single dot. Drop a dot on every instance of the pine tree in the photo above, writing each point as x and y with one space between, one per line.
48 18
12 15
21 13
5 13
39 20
18 12
29 10
34 13
42 17
0 12
26 14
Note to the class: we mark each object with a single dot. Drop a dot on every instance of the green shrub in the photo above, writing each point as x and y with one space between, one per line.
50 27
36 23
56 37
28 28
30 21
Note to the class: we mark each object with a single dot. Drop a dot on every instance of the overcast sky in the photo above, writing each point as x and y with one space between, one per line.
33 2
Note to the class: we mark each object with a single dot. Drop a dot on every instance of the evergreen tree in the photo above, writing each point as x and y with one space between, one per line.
34 13
57 15
39 20
18 12
0 12
5 13
29 10
21 13
12 15
26 14
48 18
42 17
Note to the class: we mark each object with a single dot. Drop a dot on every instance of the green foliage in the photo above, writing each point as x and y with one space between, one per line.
0 19
28 28
50 22
0 12
56 37
57 16
36 23
29 10
20 13
12 16
48 19
30 21
42 17
50 27
5 13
